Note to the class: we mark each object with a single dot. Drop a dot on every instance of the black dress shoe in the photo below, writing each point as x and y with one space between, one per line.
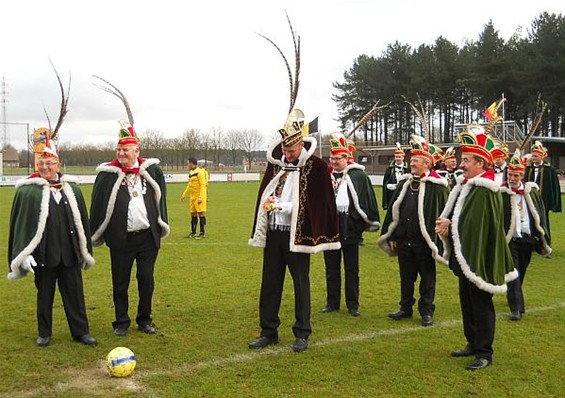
120 332
43 341
354 312
86 339
479 363
515 316
465 352
263 342
400 314
147 329
329 308
300 345
427 320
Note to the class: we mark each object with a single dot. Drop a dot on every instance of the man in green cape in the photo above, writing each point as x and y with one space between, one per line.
472 228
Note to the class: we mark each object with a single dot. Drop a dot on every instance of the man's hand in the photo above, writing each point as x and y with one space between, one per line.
199 201
269 204
391 187
182 198
28 264
392 245
442 227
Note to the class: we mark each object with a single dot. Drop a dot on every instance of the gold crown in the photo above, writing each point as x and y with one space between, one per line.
291 133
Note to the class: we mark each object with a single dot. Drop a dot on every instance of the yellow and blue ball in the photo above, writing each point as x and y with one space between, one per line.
120 362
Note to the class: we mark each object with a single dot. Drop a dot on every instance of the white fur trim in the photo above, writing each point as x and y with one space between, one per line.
383 239
373 225
458 202
87 259
98 235
304 156
513 205
547 250
16 264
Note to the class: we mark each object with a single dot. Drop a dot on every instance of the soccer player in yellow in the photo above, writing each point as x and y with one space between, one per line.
197 188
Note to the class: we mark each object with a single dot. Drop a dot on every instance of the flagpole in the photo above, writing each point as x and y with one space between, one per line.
503 118
320 134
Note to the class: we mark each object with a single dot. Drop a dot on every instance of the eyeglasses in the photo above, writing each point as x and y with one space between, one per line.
336 158
48 164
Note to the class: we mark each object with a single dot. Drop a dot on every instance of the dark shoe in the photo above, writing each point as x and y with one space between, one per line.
43 341
427 320
201 236
120 332
400 314
263 342
147 329
86 339
300 345
354 312
192 235
515 316
479 363
329 308
465 352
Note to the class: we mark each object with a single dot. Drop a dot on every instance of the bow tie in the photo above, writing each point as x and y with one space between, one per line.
338 175
498 169
518 191
134 170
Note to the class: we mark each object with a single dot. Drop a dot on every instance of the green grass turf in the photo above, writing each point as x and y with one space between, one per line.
206 311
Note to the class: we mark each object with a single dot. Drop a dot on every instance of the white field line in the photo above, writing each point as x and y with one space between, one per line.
274 350
135 383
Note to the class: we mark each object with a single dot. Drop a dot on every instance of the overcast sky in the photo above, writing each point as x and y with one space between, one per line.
185 64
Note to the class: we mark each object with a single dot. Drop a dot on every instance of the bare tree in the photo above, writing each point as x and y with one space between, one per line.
216 136
232 143
251 140
152 140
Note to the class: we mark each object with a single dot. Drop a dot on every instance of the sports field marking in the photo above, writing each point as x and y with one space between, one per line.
285 349
134 383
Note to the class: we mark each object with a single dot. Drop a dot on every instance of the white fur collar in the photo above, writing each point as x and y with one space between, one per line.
304 156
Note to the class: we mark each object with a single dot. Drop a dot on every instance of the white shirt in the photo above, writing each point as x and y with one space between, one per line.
137 213
522 216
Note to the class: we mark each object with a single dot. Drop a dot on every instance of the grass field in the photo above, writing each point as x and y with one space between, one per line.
206 311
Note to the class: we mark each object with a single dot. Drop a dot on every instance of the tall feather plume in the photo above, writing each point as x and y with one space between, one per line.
115 91
374 110
294 81
421 115
535 125
64 101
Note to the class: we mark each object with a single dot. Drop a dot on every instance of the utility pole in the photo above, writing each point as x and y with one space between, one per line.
3 101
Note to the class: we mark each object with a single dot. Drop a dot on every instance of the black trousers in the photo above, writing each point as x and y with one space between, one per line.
140 247
332 259
521 249
478 317
72 294
414 260
276 257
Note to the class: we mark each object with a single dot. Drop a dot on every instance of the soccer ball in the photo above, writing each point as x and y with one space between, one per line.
120 362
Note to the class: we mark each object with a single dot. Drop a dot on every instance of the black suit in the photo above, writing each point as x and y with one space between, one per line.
125 248
57 256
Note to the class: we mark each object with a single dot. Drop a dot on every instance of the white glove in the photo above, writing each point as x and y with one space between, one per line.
28 264
391 187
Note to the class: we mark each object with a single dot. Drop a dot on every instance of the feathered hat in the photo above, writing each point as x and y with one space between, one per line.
476 142
437 153
421 148
126 135
339 146
399 150
449 153
351 148
291 133
517 162
500 150
45 139
538 147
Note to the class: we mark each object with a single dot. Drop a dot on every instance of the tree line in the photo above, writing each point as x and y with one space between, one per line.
232 148
455 85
